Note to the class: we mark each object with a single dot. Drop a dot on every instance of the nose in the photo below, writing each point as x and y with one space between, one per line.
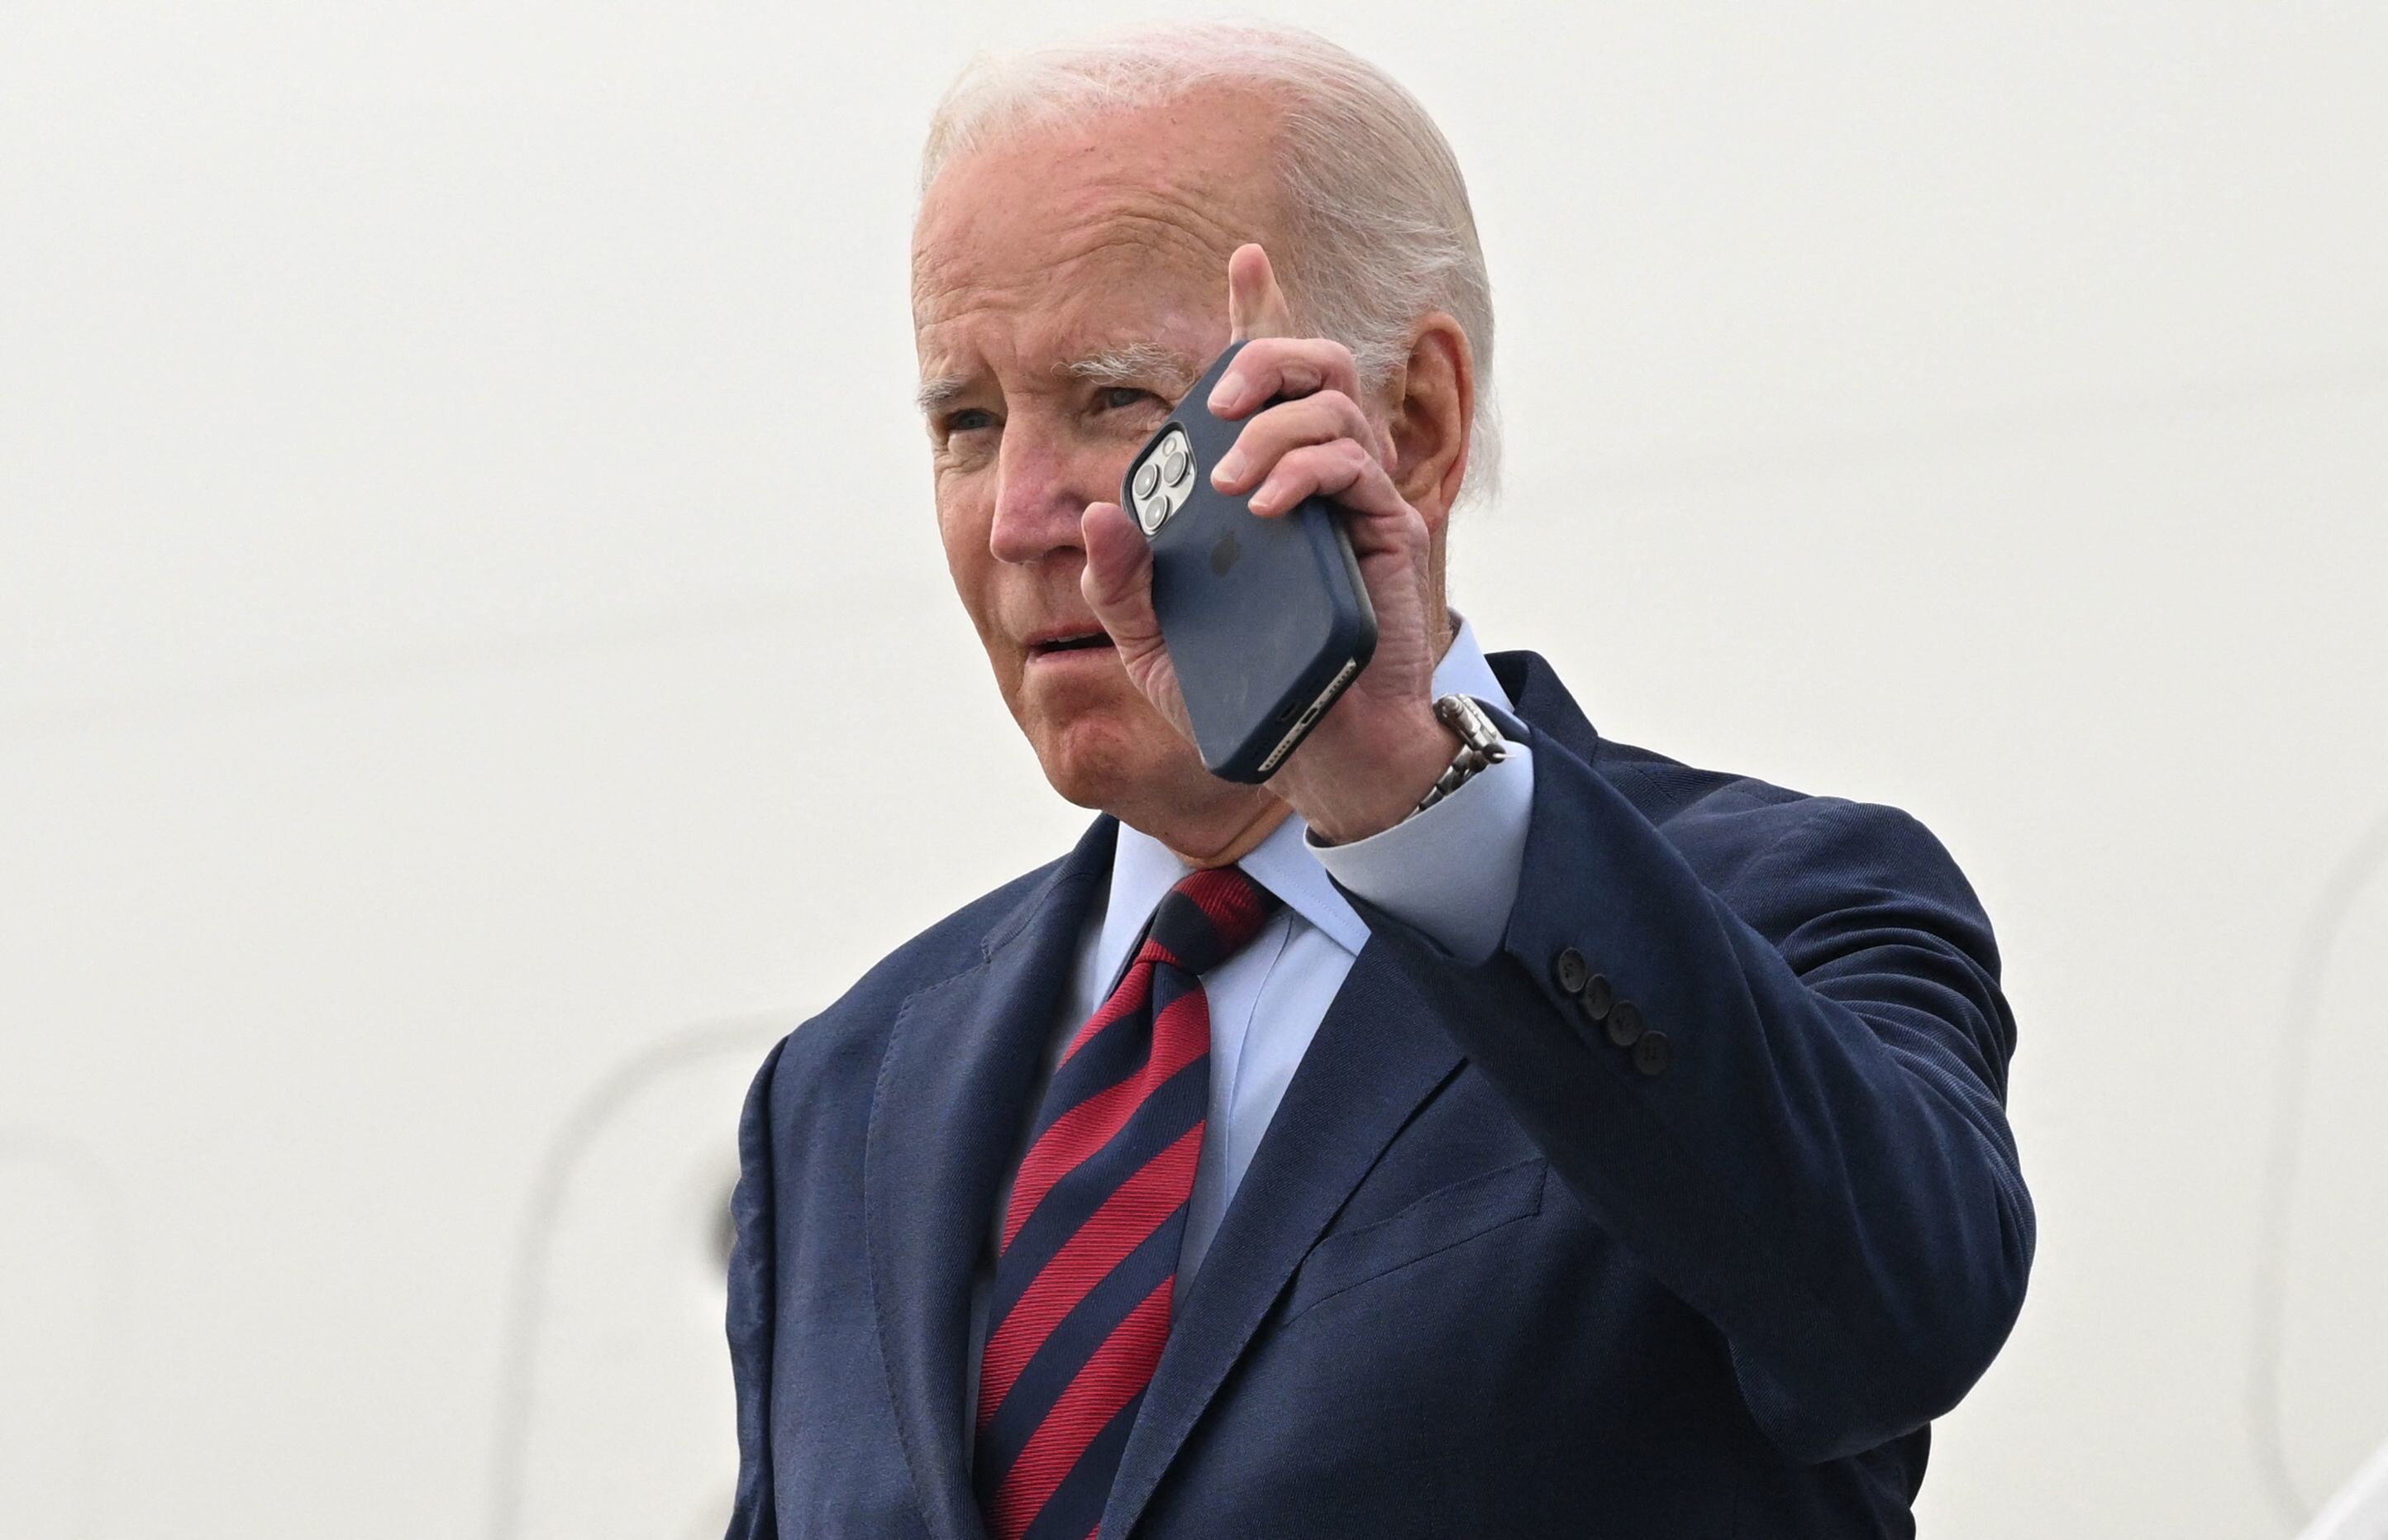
1043 484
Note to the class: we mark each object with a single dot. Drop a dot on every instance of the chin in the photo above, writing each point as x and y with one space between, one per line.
1097 761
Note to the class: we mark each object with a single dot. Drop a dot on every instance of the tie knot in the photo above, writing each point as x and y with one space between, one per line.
1209 917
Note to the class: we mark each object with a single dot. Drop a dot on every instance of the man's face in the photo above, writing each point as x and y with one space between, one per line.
1067 288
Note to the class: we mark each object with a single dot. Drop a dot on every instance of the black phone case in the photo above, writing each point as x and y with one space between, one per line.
1265 619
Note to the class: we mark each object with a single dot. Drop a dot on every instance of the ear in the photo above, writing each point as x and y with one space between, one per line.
1432 397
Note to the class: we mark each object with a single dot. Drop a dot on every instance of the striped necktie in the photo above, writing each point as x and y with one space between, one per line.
1090 1238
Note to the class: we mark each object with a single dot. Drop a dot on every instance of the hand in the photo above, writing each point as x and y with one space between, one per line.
1367 762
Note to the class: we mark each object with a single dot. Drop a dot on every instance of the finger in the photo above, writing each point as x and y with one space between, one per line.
1117 581
1272 367
1319 419
1256 306
1344 471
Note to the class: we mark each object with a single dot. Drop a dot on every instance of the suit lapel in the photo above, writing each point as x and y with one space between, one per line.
960 1064
1377 1056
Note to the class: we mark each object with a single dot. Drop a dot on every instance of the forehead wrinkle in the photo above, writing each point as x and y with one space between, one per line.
1054 252
947 285
1180 221
1056 317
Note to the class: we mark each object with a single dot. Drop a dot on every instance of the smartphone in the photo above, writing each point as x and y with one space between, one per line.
1266 619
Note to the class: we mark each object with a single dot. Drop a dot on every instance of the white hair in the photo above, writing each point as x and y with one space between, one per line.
1380 233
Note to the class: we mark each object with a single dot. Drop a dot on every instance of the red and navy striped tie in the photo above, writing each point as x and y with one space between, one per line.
1091 1239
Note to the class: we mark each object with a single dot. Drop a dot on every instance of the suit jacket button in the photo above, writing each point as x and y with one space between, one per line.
1567 970
1596 997
1625 1024
1650 1054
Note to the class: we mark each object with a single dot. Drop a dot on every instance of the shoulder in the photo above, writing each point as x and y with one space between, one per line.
1727 819
1758 845
1741 817
1779 857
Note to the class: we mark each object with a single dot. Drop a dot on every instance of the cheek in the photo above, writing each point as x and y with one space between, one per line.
963 520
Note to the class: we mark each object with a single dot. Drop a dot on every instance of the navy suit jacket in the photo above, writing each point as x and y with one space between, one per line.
1487 1275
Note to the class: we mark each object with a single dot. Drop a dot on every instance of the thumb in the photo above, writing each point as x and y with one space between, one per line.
1118 580
1118 584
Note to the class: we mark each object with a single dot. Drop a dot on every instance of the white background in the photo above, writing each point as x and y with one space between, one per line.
476 665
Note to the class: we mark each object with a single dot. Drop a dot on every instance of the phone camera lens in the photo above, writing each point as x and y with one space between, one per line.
1147 476
1153 514
1173 469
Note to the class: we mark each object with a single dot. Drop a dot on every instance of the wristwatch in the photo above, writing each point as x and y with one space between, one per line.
1481 747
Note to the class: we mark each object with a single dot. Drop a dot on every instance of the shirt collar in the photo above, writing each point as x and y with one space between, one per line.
1143 871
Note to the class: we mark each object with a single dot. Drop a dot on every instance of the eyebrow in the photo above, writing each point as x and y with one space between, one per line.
936 393
1127 363
1136 363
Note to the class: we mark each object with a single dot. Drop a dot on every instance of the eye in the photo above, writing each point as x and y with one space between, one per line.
969 419
1119 398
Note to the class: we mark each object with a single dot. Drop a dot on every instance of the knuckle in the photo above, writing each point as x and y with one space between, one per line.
1294 422
1268 437
1332 414
1297 470
1318 358
1266 354
1316 416
1329 465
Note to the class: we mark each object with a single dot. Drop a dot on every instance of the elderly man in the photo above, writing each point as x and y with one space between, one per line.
1484 1127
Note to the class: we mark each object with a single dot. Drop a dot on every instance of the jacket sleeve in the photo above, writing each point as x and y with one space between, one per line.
1807 1142
752 1268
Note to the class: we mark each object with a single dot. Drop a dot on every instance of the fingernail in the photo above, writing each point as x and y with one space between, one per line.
1227 393
1231 465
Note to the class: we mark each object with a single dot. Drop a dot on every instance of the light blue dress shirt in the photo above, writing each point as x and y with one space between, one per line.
1450 870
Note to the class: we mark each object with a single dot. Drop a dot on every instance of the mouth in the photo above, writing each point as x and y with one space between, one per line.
1056 643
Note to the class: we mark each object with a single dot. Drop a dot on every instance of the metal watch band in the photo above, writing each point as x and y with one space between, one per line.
1481 747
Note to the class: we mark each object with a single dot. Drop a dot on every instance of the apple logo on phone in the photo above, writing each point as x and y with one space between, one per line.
1224 554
